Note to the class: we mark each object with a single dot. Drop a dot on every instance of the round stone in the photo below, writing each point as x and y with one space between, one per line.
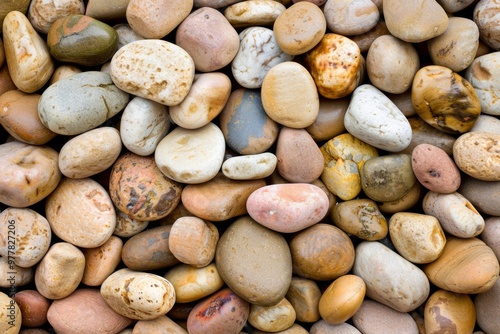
33 307
481 74
253 13
374 317
487 23
10 316
348 18
42 14
100 262
274 318
487 308
482 194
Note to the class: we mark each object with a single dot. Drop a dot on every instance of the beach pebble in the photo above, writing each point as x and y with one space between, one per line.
29 173
206 99
246 127
453 6
330 120
351 17
466 266
374 317
126 226
478 155
10 316
444 99
491 233
13 276
417 237
322 327
304 295
391 64
250 167
243 262
138 188
160 325
289 95
390 279
257 54
209 39
486 123
24 233
487 23
322 252
100 262
153 69
138 295
125 33
487 309
107 10
221 312
80 212
42 14
80 102
274 318
19 116
299 28
60 271
288 208
219 199
67 316
482 194
205 147
405 202
376 120
253 13
364 41
63 71
481 74
33 307
434 169
143 124
423 133
416 20
81 40
294 329
156 19
26 53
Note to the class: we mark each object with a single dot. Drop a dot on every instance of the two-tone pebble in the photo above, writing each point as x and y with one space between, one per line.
43 14
250 167
375 317
274 318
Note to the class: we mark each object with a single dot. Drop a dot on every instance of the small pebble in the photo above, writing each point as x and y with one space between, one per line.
481 74
351 17
374 317
253 13
10 316
304 295
100 262
33 307
275 318
250 167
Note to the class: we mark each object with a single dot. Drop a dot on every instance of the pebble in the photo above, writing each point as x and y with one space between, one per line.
275 318
80 103
153 69
466 266
299 28
351 18
159 325
245 125
487 23
126 226
477 154
444 99
293 147
10 316
487 309
330 120
390 279
250 167
423 133
374 317
219 199
360 217
67 316
107 10
434 169
304 295
322 252
289 95
490 234
416 20
322 327
242 262
206 99
417 237
288 208
21 277
100 262
453 6
26 53
60 271
33 307
405 202
482 194
138 188
209 39
156 19
486 123
294 329
253 13
258 53
138 295
481 74
42 14
30 173
375 119
334 81
205 146
29 231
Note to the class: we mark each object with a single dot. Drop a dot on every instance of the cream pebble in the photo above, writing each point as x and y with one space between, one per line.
253 13
482 74
250 167
351 17
10 316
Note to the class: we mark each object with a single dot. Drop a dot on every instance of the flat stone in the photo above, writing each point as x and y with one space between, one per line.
253 13
250 167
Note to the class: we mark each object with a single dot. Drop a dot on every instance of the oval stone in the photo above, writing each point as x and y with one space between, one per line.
80 212
250 167
322 327
486 123
288 208
330 120
33 307
289 95
243 262
487 23
80 102
10 319
481 74
487 308
376 120
100 262
390 279
304 295
81 40
253 13
482 194
491 234
42 14
374 317
347 17
153 69
274 318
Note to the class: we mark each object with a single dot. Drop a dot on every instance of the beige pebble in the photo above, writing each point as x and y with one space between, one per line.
62 72
273 318
487 309
250 167
486 123
423 133
107 10
453 6
21 277
253 13
405 202
482 194
100 262
43 13
160 325
322 327
294 329
481 74
60 271
491 233
304 295
417 237
10 315
374 317
126 226
80 212
487 23
351 17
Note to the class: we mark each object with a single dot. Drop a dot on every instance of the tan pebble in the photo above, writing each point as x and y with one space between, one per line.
80 212
289 95
405 202
364 41
193 241
453 6
487 23
138 295
126 226
107 10
294 329
445 310
487 309
491 233
304 295
418 238
14 276
351 17
482 194
486 123
60 271
10 316
299 28
6 82
159 325
33 307
374 317
42 14
322 327
423 133
250 167
100 262
330 120
360 217
342 299
253 13
481 74
27 55
62 72
191 283
466 266
273 318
